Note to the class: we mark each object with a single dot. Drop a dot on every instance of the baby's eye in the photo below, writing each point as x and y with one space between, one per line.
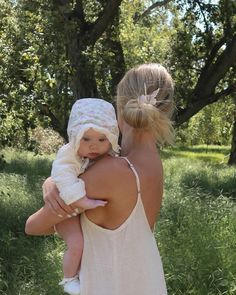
103 139
85 138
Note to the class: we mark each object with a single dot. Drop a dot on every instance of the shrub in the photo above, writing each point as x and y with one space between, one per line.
45 141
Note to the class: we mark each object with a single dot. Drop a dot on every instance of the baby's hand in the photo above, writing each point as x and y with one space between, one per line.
86 203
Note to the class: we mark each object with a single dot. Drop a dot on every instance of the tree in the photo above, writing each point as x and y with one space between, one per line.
232 158
212 125
16 118
78 48
206 52
83 28
204 55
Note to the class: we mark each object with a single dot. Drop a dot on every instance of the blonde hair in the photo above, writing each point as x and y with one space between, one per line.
155 117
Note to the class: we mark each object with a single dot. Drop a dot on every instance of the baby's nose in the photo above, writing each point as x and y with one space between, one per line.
93 146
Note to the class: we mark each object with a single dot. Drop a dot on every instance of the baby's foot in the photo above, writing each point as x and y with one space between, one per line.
71 285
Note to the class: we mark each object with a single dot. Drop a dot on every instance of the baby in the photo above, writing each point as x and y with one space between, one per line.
93 132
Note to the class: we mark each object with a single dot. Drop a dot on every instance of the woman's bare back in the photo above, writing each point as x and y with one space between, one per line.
117 185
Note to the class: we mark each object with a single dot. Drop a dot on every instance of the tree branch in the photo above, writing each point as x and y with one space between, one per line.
219 95
216 71
185 114
150 9
56 124
107 15
214 51
79 13
203 15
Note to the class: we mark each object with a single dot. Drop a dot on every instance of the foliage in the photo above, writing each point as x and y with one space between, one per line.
212 125
200 26
148 40
53 52
45 141
34 70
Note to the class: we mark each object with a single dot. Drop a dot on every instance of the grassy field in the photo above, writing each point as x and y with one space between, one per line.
196 231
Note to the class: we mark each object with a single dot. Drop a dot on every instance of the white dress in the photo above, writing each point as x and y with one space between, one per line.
124 261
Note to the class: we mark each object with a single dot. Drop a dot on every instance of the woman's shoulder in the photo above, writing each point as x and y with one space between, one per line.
106 176
109 166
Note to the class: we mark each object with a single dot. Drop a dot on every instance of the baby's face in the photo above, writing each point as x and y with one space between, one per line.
93 144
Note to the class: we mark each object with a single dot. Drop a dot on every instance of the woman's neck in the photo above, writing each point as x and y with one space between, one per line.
135 141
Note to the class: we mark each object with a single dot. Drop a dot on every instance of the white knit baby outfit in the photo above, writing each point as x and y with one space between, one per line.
85 114
124 261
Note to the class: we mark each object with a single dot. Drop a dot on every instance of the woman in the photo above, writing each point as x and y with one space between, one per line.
120 254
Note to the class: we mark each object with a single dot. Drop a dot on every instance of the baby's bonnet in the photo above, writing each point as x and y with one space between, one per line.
93 113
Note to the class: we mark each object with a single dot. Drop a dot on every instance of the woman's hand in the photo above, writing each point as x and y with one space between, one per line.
53 201
57 205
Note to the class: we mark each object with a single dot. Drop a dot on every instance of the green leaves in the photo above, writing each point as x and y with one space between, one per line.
53 52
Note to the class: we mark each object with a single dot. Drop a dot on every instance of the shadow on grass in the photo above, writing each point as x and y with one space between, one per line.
34 166
210 183
33 171
29 265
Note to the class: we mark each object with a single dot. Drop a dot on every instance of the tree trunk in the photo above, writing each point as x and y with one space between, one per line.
83 75
81 36
117 63
232 157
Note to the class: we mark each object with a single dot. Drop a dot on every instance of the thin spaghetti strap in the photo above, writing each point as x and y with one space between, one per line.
135 173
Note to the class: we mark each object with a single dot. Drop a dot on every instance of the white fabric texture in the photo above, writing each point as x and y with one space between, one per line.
122 261
65 171
85 114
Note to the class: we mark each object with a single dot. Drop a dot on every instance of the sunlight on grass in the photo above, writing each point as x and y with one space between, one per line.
213 154
196 230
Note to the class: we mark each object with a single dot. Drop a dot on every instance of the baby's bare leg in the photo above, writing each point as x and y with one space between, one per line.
71 232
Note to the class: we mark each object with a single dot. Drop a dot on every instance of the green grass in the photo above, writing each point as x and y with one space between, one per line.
28 265
196 230
205 153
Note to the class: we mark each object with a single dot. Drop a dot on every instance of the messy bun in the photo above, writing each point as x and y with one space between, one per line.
145 100
136 115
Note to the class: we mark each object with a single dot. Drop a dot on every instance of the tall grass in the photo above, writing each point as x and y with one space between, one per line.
196 230
28 265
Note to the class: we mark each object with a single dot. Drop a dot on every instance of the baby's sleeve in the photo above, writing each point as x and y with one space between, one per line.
65 171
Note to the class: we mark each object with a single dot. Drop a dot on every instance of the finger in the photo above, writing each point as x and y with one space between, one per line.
66 208
96 203
57 206
79 210
53 210
100 203
73 206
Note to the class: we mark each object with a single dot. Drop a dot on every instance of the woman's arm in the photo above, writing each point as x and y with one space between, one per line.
57 206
